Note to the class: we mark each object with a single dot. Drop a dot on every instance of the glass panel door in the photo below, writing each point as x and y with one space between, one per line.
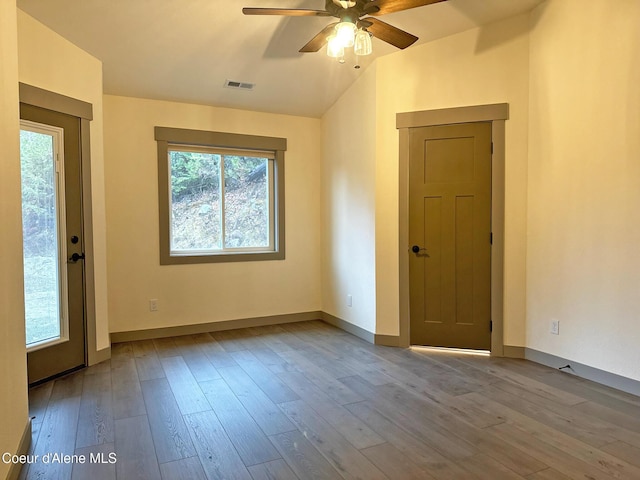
43 228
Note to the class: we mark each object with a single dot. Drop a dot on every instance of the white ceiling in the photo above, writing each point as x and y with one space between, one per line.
185 50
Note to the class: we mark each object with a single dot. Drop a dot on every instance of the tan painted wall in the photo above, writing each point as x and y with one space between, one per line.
480 66
13 360
48 61
569 73
348 201
191 294
583 265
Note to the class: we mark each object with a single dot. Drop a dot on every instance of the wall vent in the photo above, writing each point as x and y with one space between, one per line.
239 85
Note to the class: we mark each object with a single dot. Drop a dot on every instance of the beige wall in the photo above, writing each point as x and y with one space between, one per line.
48 61
13 360
191 294
348 202
583 265
480 66
569 72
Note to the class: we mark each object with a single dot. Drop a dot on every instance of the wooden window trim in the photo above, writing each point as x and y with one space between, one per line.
170 137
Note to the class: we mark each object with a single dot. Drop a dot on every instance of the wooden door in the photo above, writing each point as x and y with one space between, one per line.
450 235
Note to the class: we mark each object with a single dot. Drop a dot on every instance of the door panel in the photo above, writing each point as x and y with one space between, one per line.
450 220
432 299
464 256
68 350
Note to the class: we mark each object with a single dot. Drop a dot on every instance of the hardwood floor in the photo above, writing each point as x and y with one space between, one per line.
309 401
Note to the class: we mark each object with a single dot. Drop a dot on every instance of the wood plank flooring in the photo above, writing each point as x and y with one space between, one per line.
308 401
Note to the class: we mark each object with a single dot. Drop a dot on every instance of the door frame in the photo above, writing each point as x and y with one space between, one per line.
497 114
39 97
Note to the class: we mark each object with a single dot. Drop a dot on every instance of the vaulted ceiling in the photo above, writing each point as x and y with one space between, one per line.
185 50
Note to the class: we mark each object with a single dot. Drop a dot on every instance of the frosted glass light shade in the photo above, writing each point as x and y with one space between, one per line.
346 32
334 47
362 44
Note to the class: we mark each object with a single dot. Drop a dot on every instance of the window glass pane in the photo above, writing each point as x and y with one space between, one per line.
40 237
195 201
246 202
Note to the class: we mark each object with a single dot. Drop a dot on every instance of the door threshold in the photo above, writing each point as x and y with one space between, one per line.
56 376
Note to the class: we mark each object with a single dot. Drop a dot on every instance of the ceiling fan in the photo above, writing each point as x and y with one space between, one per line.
356 25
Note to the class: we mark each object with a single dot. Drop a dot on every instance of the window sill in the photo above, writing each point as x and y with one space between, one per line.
226 257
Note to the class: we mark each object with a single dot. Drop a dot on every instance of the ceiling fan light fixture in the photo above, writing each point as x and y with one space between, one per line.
334 47
346 33
362 44
351 15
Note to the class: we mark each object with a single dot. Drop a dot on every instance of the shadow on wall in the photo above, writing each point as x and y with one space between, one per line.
633 93
489 37
292 33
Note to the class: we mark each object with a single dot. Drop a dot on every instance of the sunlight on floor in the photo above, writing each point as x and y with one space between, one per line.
457 351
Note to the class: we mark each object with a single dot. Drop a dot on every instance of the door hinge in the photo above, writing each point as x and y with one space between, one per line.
491 325
491 238
491 148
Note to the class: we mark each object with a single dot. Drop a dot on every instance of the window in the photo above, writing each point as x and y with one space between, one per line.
221 196
44 226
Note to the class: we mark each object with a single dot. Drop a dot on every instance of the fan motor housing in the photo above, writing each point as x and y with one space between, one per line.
361 8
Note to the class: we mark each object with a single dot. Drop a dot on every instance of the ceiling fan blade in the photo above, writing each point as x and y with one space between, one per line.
317 42
390 6
390 34
289 12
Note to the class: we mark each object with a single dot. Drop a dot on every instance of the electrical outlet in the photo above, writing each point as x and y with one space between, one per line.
153 305
349 301
554 327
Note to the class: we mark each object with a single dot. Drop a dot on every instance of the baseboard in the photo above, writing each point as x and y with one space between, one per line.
388 340
132 335
100 356
348 327
511 351
366 335
584 371
23 449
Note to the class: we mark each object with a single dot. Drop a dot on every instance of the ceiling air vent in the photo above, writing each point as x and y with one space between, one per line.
239 85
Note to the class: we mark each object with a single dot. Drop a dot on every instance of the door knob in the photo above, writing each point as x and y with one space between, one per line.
77 256
417 249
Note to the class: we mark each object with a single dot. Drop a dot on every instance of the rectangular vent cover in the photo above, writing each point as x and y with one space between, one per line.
239 85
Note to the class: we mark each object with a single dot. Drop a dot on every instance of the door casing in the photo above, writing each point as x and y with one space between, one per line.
497 114
39 97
